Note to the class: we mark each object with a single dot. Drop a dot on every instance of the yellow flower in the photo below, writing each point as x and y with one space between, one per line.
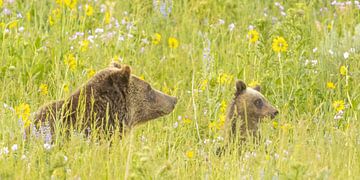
66 88
224 78
68 3
189 154
2 24
43 89
90 73
142 77
221 122
343 70
330 85
28 15
275 124
156 38
23 112
339 105
203 84
187 120
1 3
56 13
13 25
223 106
107 18
165 89
279 44
286 127
89 10
173 43
253 36
70 61
84 45
254 83
51 20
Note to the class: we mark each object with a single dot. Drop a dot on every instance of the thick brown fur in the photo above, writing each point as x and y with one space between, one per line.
245 112
112 98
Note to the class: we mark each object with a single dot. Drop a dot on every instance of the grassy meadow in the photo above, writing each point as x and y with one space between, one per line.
305 55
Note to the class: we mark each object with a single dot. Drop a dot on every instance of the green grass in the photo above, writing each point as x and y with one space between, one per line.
307 141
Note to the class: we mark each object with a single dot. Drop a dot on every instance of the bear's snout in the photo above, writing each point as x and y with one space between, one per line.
274 113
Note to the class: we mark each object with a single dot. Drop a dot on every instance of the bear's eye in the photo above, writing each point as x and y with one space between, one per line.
258 103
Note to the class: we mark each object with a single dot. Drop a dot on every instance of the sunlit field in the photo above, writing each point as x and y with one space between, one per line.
305 56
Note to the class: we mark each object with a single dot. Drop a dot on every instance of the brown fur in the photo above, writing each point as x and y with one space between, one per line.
111 98
246 110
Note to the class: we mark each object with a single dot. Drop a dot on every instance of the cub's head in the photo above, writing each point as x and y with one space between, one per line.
251 104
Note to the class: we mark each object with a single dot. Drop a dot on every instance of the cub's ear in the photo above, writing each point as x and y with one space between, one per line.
240 87
125 71
257 88
115 64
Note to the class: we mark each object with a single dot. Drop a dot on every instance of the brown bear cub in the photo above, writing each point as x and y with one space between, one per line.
111 99
245 112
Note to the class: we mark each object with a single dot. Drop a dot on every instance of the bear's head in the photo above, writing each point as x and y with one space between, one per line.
144 102
248 107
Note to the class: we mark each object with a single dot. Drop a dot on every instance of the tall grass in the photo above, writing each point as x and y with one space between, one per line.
309 139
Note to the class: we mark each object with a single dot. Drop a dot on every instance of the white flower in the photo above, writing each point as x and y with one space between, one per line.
283 13
176 124
14 147
65 158
47 146
331 52
21 29
251 27
315 49
276 156
268 142
221 22
19 15
5 150
23 157
99 30
346 55
231 26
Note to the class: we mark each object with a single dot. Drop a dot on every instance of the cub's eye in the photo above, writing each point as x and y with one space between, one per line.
258 103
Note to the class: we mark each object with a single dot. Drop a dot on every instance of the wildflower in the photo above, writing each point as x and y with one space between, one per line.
66 88
13 25
346 55
223 106
176 124
343 70
14 147
339 115
89 10
156 38
189 154
330 85
203 84
286 126
28 16
56 13
231 27
90 73
224 78
47 146
43 89
253 36
70 61
173 43
1 3
339 105
221 122
279 44
23 112
275 124
84 45
51 20
5 150
254 83
187 120
107 18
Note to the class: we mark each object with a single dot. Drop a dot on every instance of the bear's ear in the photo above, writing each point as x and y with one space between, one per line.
125 71
257 88
240 86
115 64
